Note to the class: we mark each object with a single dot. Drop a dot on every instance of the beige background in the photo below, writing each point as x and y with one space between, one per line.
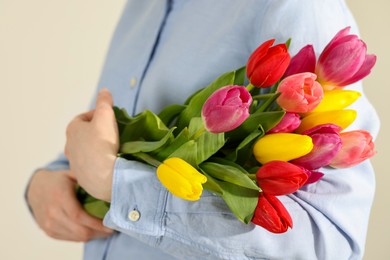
51 54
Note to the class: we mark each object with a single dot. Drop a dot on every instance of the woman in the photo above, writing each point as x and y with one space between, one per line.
163 51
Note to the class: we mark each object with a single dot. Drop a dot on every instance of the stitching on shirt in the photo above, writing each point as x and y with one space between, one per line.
155 45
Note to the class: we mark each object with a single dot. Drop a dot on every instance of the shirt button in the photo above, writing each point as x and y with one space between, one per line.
133 82
134 215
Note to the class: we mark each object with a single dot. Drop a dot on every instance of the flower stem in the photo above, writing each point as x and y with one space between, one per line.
268 102
147 158
263 96
249 87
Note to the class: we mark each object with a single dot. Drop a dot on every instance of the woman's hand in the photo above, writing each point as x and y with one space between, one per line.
51 196
92 145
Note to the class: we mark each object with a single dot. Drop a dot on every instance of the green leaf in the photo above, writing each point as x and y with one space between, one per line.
239 78
241 201
266 120
230 174
145 146
187 152
208 143
165 151
97 208
196 102
244 149
145 126
168 114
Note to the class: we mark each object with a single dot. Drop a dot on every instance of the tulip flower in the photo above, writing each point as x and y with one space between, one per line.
288 124
313 176
357 147
344 61
280 178
226 109
267 64
281 147
181 179
299 93
327 143
271 214
342 118
337 99
303 61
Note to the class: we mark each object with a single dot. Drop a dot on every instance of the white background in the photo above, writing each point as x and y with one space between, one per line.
51 54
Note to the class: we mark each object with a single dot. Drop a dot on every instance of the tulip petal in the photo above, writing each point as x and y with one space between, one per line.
337 99
342 118
364 70
226 109
271 214
280 178
303 61
327 143
357 146
257 55
281 147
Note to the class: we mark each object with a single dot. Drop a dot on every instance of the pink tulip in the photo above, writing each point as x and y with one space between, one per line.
313 176
288 124
271 214
300 93
303 61
357 147
280 178
226 109
327 143
344 61
267 64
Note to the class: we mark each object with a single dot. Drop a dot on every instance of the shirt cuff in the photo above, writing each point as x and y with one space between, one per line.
138 199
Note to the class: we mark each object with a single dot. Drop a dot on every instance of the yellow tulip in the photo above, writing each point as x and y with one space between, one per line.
282 147
342 118
181 178
337 100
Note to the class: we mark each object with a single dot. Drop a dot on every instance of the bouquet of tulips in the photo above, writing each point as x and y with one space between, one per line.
256 133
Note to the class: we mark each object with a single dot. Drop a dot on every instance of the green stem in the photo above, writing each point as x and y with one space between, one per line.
263 96
268 102
147 158
249 87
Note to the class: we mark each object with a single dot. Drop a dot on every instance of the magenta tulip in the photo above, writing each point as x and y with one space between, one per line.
271 214
226 109
327 143
357 146
288 124
300 93
280 178
267 64
303 61
313 176
344 61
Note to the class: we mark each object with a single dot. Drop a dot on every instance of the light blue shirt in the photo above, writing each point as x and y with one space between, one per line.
161 52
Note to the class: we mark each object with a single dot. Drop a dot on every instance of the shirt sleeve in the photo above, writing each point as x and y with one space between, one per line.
330 217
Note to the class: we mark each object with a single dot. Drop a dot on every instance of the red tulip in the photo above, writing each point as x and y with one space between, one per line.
226 109
271 214
303 61
288 124
300 93
357 146
280 178
344 61
327 143
267 64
